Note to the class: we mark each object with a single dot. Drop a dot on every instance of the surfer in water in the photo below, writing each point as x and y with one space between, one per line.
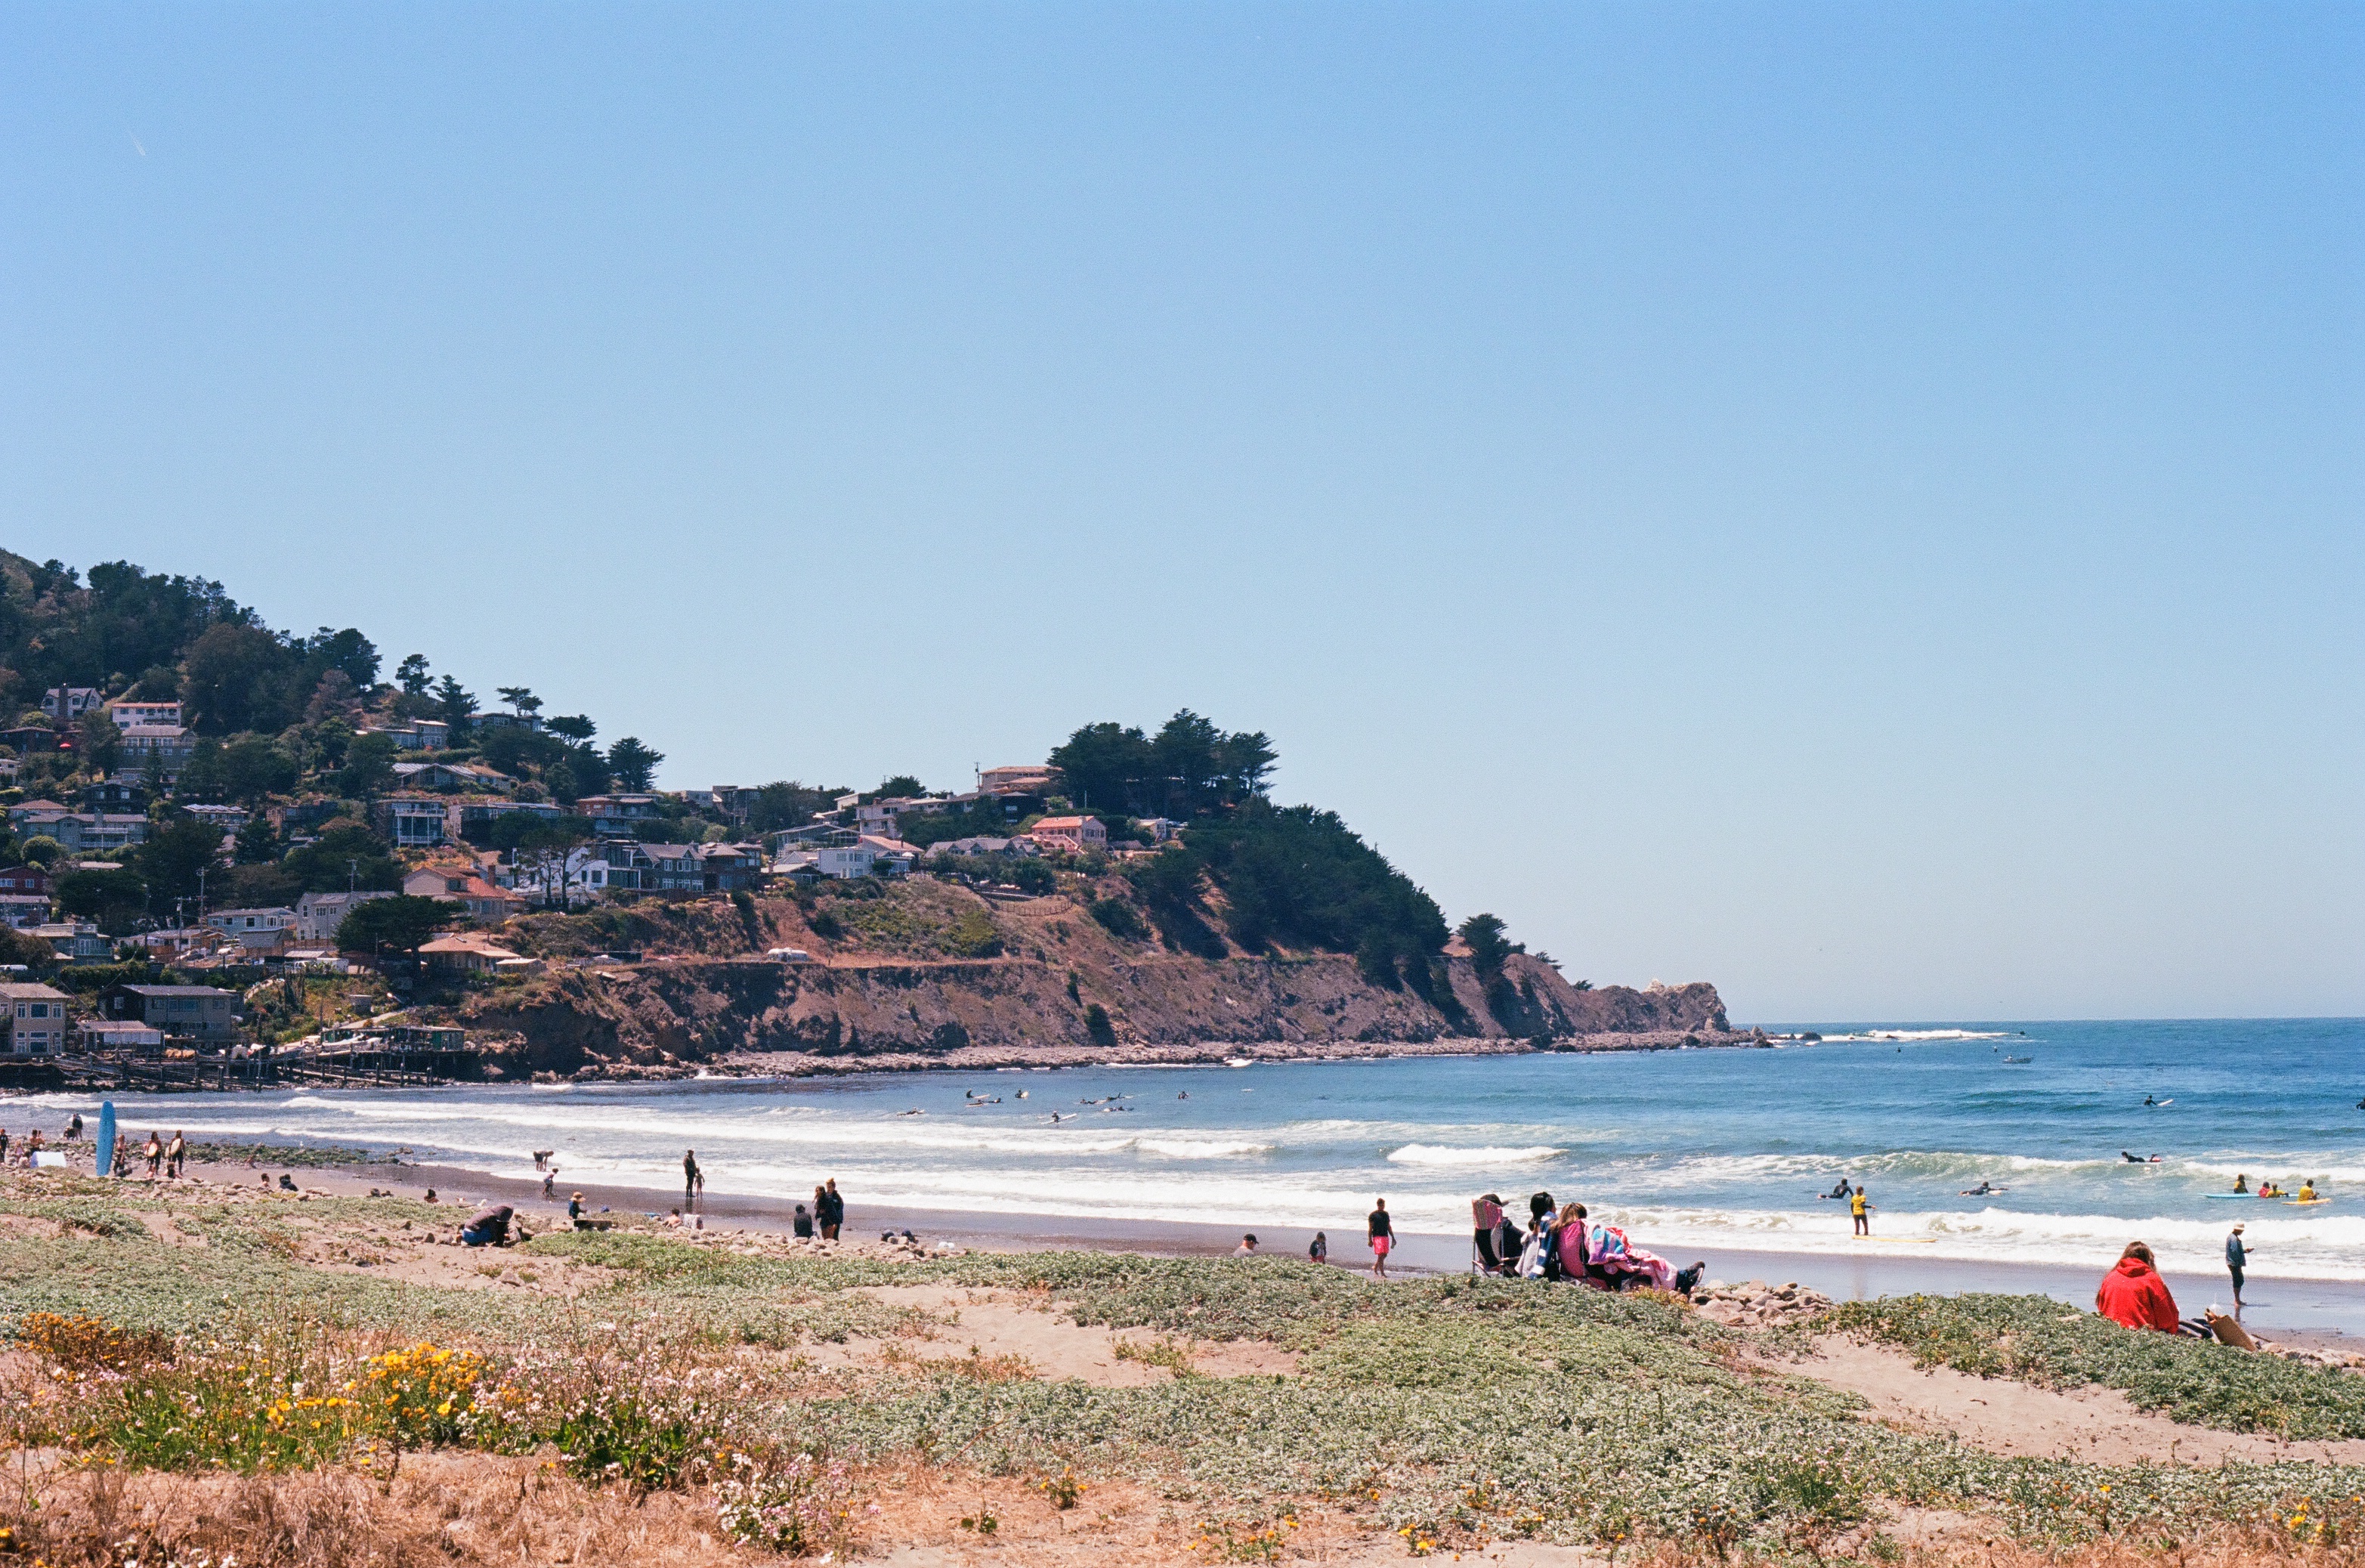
2138 1158
1839 1190
2149 1101
1982 1189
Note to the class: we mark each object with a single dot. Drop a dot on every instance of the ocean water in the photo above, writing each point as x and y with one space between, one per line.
1689 1151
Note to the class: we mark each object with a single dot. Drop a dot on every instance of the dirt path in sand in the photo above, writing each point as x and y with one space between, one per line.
2095 1424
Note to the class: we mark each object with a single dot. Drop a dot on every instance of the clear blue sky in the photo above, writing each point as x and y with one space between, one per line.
1858 503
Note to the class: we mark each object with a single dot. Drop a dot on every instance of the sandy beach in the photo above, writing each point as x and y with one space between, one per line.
2299 1311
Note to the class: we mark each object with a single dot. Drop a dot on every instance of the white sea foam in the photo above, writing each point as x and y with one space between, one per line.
1897 1036
1438 1154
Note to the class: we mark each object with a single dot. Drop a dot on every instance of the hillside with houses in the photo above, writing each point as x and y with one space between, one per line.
212 822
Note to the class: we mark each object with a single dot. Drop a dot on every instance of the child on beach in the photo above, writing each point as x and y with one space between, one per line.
1318 1250
1858 1208
802 1224
1382 1238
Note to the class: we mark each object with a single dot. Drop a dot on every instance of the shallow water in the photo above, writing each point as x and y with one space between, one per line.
1689 1151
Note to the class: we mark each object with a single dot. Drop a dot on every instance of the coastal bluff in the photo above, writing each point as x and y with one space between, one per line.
668 991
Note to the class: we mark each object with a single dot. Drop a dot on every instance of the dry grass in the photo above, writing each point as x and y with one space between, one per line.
441 1509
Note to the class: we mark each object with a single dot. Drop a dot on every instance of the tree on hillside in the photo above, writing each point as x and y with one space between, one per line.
258 842
521 699
180 851
99 742
1192 768
1483 935
898 786
412 676
540 847
633 764
785 803
456 706
1102 763
115 899
369 767
573 727
234 678
399 924
345 856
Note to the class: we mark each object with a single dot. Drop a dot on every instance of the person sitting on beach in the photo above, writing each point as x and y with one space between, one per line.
1318 1250
1573 1257
673 1219
802 1224
1485 1215
1247 1249
2134 1295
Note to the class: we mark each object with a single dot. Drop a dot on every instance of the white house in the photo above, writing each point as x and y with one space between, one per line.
317 915
80 699
255 928
128 713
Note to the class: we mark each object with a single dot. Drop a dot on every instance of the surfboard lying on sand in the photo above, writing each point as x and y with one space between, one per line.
1902 1240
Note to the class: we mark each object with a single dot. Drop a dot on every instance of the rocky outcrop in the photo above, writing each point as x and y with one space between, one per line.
860 1007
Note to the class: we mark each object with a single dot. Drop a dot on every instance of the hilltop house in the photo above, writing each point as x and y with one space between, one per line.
1028 778
415 734
411 821
1073 834
34 1021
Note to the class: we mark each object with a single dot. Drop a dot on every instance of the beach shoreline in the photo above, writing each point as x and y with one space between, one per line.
2301 1311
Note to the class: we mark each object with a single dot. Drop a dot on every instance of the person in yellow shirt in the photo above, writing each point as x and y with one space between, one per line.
2306 1194
1859 1208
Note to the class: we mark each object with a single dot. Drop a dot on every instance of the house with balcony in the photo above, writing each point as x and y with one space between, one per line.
411 821
157 751
414 734
256 930
34 1021
616 816
181 1012
1075 834
127 714
473 777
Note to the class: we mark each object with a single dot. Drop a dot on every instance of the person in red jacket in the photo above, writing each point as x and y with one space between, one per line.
2133 1294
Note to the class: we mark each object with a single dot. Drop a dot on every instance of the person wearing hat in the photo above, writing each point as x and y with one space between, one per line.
2237 1258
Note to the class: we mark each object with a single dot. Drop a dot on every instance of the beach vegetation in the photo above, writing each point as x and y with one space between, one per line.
2036 1340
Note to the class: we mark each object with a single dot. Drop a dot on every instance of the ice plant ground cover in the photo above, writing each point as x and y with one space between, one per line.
198 1335
2036 1340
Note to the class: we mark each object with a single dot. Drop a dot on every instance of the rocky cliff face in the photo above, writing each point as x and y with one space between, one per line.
1061 988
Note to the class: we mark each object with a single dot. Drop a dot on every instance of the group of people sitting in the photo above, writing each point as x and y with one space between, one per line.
1562 1244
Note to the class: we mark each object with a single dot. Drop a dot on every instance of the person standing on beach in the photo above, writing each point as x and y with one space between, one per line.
1860 1210
176 1155
1382 1238
2237 1258
155 1152
833 1215
689 1174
